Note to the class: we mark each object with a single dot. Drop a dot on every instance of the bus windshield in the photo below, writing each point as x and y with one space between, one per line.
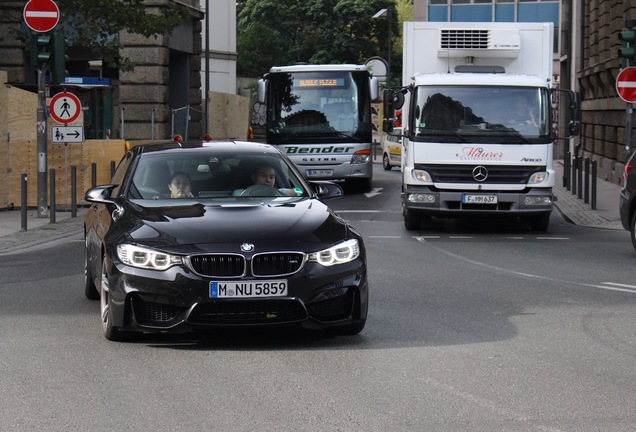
497 114
318 107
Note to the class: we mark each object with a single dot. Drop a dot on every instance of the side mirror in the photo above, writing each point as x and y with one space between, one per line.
327 190
374 88
100 194
260 88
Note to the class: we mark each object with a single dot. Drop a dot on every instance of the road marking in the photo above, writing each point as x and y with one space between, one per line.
357 211
617 287
614 287
386 237
376 191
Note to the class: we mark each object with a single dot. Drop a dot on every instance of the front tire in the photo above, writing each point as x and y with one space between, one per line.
386 163
111 332
412 220
540 223
90 290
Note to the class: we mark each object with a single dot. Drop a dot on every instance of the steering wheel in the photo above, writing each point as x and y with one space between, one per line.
261 190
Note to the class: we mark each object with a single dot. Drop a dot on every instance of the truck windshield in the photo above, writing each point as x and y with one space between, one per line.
504 115
318 107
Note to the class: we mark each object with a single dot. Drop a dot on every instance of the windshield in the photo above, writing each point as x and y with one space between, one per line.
318 107
215 176
499 115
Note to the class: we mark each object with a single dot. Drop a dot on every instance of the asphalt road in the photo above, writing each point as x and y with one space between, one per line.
473 326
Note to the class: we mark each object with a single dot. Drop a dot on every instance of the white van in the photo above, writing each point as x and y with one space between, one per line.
392 149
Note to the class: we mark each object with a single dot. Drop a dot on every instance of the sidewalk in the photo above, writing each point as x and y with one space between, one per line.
40 230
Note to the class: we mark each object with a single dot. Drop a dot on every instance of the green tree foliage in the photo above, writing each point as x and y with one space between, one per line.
96 24
280 32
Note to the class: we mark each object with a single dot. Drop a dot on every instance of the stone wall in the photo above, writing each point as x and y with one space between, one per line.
603 112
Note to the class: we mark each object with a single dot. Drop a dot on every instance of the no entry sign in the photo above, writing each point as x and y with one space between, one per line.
626 84
41 15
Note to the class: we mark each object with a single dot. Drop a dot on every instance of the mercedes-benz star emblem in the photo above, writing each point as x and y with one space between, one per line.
480 173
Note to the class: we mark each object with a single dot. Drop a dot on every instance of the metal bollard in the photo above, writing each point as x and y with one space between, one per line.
23 204
93 174
566 170
52 193
575 162
586 194
594 173
580 178
73 191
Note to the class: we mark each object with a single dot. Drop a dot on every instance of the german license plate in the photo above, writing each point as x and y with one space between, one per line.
248 289
479 199
319 172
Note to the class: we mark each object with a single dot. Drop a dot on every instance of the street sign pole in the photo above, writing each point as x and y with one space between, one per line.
628 129
41 146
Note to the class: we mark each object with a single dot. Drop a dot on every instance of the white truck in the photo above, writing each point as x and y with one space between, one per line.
320 117
478 112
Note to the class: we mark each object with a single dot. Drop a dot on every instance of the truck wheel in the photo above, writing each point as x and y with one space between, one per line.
412 220
540 223
385 162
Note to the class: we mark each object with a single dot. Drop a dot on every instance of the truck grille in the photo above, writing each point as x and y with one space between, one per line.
464 39
496 174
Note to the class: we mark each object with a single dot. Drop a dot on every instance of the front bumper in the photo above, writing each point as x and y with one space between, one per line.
178 301
434 202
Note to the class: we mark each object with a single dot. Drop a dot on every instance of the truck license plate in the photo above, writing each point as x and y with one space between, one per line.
479 199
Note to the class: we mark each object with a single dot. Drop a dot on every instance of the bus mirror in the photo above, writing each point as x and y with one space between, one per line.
261 91
375 88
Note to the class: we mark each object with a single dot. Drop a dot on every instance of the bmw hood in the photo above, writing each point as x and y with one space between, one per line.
191 224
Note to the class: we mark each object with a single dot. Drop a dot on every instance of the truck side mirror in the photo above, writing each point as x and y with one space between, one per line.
387 110
374 85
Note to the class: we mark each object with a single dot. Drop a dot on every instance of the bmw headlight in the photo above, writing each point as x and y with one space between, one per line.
339 254
141 257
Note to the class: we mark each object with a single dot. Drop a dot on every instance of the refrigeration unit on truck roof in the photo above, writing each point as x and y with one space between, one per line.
513 48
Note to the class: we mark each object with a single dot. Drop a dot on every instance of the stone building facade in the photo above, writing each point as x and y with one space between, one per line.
161 96
589 45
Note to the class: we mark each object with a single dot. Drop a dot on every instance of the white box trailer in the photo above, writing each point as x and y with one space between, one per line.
477 118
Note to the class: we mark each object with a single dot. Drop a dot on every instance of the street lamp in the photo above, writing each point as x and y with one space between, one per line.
386 13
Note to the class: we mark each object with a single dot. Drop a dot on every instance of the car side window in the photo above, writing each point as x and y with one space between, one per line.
120 174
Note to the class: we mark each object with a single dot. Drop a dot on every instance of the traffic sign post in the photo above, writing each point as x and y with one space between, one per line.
626 89
41 16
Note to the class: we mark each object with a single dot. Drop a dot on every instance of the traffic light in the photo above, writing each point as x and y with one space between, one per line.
58 58
627 52
40 49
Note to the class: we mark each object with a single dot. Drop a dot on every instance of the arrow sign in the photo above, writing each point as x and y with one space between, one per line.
626 84
67 134
41 15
